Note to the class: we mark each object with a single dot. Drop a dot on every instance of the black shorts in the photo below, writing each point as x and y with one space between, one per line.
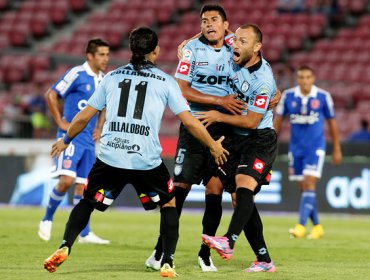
105 183
192 157
252 155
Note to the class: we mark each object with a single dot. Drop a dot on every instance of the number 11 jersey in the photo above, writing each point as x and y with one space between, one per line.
135 102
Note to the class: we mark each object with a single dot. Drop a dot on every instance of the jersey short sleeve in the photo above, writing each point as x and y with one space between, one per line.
260 97
66 83
176 100
188 59
328 109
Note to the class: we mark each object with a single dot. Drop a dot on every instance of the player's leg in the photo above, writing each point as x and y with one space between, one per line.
96 196
312 172
56 196
296 174
254 233
187 171
85 164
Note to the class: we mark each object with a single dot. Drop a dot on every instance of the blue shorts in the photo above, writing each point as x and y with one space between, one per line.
76 161
310 164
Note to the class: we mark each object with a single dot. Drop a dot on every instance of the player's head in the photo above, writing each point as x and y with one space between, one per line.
305 78
144 47
247 43
213 23
97 53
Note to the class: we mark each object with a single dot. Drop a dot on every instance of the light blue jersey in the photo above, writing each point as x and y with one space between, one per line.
256 86
135 104
76 86
206 69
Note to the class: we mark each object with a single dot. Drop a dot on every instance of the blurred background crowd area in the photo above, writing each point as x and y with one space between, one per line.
41 39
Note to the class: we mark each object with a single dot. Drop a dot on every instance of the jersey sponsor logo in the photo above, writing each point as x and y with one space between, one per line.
134 150
230 41
212 80
170 185
82 104
258 165
220 67
184 68
312 118
315 103
201 63
186 55
260 101
67 163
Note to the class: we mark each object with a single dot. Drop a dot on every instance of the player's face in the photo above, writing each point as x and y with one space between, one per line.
305 80
245 46
213 27
99 61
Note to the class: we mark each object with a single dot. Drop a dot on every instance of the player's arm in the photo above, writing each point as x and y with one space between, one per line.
78 123
278 123
334 133
248 121
275 101
228 102
99 125
51 98
201 133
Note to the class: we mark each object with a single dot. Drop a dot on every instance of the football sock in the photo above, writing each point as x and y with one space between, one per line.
180 194
78 219
314 213
54 201
169 230
253 231
306 206
211 219
241 215
86 230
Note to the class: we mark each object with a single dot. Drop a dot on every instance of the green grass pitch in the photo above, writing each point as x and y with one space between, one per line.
342 254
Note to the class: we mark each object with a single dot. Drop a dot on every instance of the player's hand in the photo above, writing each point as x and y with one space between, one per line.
209 117
232 104
337 156
275 101
57 148
97 134
64 125
180 47
218 152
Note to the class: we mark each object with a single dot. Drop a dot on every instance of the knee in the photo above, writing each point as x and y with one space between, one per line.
65 182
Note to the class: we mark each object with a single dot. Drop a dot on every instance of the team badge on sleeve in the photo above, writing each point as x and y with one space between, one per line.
183 68
186 55
261 101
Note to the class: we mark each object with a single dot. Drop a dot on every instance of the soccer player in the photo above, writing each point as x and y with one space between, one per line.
135 96
307 106
256 142
75 87
203 77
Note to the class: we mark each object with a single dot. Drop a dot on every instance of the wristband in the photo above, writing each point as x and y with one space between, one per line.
67 139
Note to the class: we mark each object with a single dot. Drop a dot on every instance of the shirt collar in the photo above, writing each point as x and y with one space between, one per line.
298 92
90 72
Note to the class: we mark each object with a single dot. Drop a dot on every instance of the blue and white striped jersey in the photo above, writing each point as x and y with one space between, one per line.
76 86
307 115
135 102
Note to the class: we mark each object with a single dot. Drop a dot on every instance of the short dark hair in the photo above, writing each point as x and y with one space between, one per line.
214 7
255 29
142 41
93 44
305 67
